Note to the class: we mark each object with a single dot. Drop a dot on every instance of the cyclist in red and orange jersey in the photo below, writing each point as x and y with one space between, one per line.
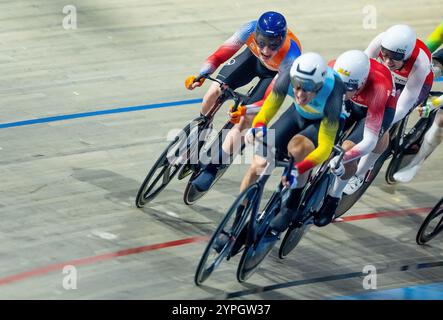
271 49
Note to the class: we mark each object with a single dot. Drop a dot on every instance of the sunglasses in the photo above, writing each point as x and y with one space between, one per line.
397 56
306 85
351 86
272 43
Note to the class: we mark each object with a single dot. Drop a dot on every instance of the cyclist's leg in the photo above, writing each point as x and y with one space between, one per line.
368 161
278 137
327 211
301 145
234 138
234 73
348 179
432 139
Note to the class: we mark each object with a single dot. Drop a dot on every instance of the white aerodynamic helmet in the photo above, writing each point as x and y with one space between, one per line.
353 68
308 72
398 42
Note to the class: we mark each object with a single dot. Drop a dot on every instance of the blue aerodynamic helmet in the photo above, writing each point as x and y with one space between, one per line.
271 30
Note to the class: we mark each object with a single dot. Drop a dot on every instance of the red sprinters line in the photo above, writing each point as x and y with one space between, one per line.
102 257
127 252
386 214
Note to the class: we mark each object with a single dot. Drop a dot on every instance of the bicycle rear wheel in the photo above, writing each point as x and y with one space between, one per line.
191 194
164 169
347 201
193 163
231 228
411 144
312 200
261 242
432 225
291 239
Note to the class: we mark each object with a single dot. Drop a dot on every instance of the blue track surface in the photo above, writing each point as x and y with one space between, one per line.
433 291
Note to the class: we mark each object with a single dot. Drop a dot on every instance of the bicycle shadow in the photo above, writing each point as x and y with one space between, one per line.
120 188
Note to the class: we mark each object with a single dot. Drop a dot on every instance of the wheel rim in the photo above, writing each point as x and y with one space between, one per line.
166 167
347 201
291 240
254 254
432 225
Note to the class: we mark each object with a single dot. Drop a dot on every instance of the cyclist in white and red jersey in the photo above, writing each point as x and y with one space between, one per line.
370 102
271 49
434 136
409 61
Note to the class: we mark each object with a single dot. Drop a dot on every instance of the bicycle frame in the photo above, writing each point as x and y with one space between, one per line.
252 234
204 121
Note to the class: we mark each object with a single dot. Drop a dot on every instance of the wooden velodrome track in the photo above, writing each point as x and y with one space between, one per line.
67 186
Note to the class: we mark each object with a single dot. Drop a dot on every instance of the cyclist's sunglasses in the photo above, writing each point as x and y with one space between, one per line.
306 85
351 86
272 43
397 56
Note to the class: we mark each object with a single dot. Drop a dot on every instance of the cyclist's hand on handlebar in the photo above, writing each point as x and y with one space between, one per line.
191 82
254 133
337 167
236 115
424 110
292 181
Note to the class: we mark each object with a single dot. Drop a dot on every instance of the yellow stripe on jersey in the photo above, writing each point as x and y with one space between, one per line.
270 107
326 138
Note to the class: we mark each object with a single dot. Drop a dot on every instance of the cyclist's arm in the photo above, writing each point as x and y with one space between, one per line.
373 48
254 107
228 48
327 131
373 123
435 39
274 101
411 92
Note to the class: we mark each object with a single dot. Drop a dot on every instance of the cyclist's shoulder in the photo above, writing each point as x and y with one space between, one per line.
379 76
249 25
295 42
332 75
247 29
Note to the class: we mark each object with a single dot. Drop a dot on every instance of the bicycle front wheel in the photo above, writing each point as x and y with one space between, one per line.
229 228
432 225
165 168
347 201
262 241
